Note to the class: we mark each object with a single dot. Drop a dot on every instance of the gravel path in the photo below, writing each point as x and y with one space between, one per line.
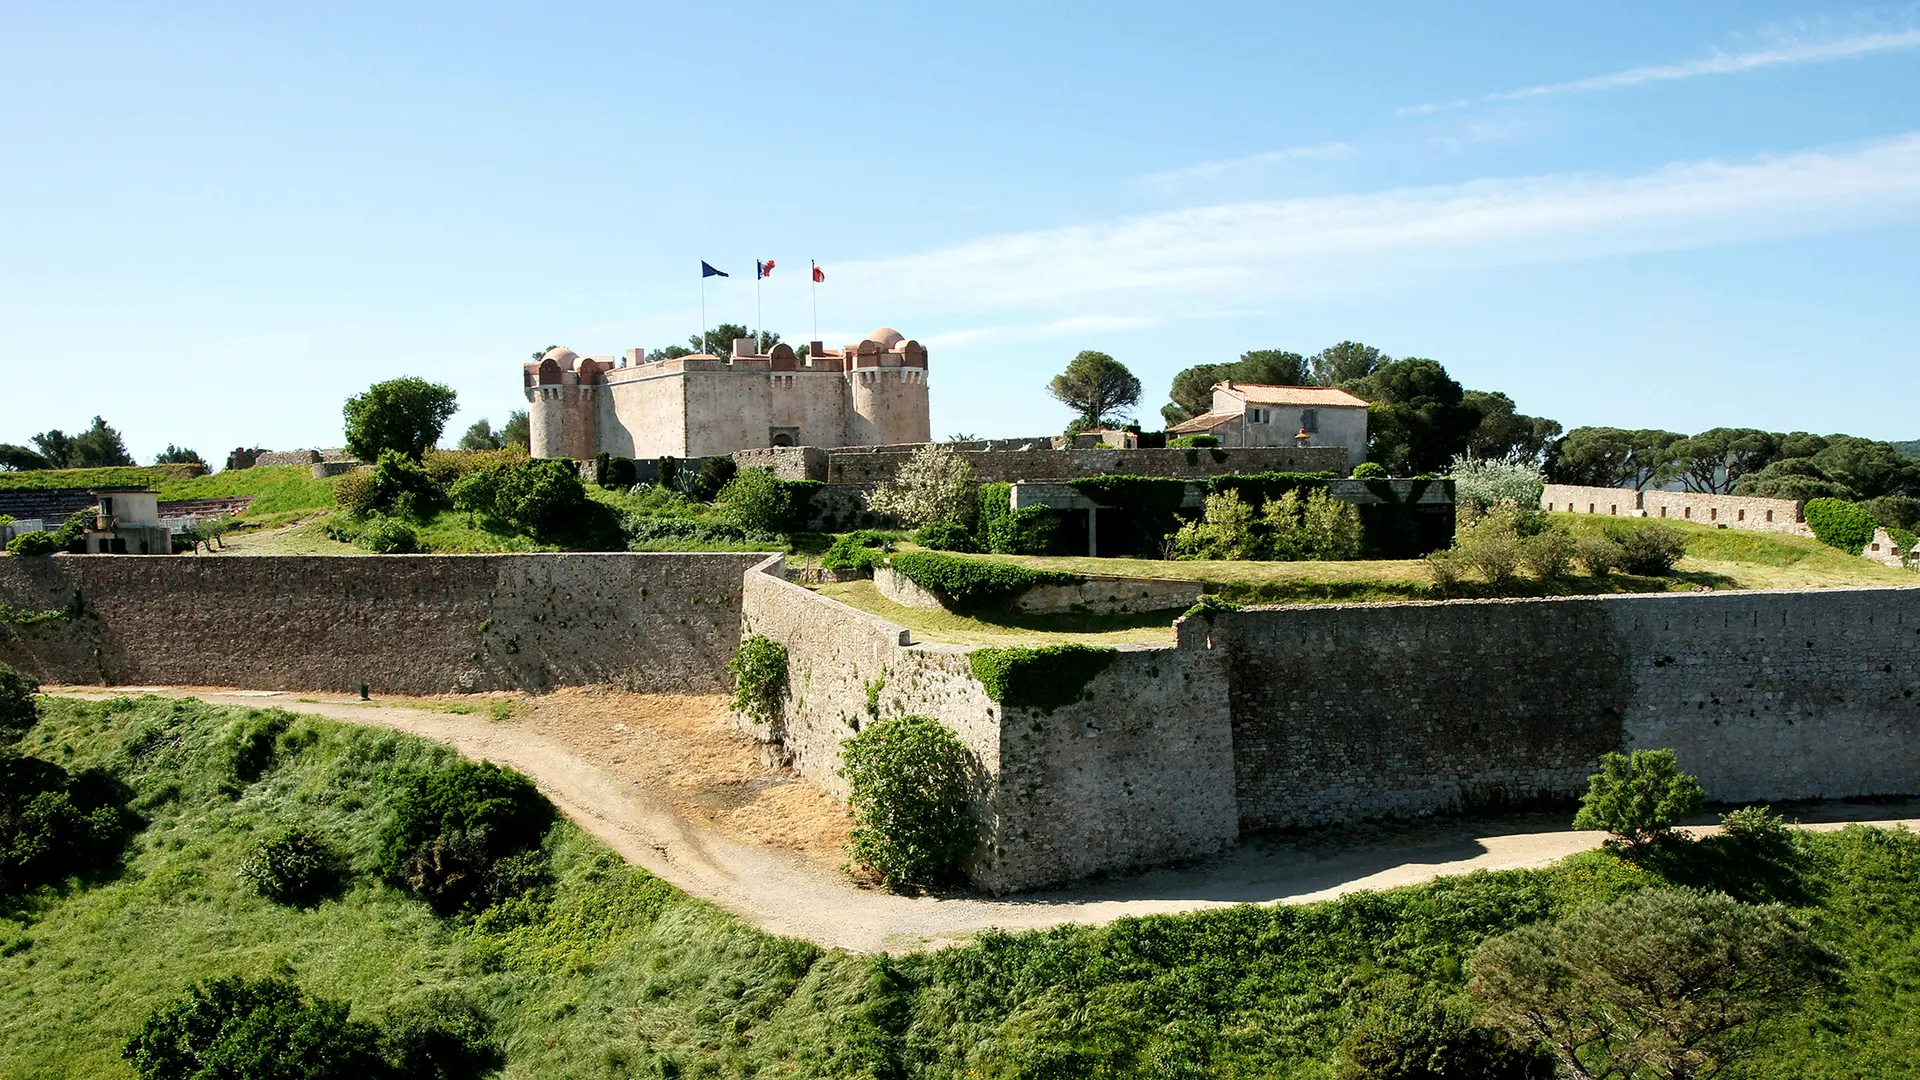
789 896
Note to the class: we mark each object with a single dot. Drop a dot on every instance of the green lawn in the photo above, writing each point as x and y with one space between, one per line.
1002 628
611 973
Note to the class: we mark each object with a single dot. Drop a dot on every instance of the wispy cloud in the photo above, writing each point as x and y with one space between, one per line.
1208 170
1244 254
1815 52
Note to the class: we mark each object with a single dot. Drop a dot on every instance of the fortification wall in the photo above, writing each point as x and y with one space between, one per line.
1348 712
1137 773
852 465
415 624
1733 511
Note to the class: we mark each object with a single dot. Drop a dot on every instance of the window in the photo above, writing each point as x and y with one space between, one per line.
1259 416
1740 515
106 507
1309 419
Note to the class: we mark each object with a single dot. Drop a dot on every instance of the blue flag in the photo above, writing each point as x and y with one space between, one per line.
708 271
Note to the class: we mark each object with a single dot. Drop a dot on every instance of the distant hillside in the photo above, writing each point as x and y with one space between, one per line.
1910 448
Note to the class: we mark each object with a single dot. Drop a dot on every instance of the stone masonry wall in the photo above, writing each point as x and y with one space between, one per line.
1139 773
415 624
853 465
1733 511
1354 711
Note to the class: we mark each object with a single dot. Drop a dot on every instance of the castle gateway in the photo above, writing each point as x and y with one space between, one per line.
870 393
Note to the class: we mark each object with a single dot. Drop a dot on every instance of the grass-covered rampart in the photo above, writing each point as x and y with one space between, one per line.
608 972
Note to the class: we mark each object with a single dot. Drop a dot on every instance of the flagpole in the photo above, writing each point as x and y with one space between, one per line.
759 327
703 307
811 267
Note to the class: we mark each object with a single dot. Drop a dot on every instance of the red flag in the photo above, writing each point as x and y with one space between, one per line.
819 275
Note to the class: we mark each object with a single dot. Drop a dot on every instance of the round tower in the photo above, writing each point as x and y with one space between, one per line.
559 414
888 373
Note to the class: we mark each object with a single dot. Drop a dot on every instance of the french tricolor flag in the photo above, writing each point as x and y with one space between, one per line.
763 269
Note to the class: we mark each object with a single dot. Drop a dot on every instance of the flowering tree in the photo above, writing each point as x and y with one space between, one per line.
935 484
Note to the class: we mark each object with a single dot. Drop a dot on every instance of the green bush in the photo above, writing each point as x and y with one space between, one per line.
465 836
715 473
1208 606
1030 530
1151 506
907 784
1423 1036
972 583
759 670
441 1036
1548 556
55 824
387 536
295 866
1841 524
1599 555
862 550
544 497
1370 470
1650 550
19 704
1639 799
400 486
1046 678
1190 442
1660 983
71 531
239 1029
945 536
33 543
1757 830
758 502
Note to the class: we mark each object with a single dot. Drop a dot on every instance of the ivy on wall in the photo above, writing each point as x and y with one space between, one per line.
1045 678
1839 523
1151 503
972 583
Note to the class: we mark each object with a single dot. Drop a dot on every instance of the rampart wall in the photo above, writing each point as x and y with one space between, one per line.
1732 511
854 465
413 624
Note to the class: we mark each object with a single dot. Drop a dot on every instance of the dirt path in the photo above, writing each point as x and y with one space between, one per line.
791 895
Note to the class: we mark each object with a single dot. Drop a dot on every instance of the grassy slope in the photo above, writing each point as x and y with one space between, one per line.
119 476
618 971
1005 628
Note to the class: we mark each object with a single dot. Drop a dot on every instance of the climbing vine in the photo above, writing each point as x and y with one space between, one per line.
1045 678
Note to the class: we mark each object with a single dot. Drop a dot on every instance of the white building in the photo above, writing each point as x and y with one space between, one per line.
1245 414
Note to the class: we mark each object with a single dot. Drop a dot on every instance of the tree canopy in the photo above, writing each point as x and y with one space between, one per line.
97 447
1345 362
1612 457
14 458
1505 434
481 436
719 341
1192 390
179 455
404 415
1097 387
1419 420
517 431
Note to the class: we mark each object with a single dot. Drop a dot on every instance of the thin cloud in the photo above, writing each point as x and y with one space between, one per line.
1253 253
1719 64
1208 170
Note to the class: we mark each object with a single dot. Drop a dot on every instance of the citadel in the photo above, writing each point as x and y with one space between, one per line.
871 392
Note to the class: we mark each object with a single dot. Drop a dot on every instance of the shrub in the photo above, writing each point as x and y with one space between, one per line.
1649 549
1318 527
935 484
67 537
1639 799
1484 484
972 583
295 866
33 543
677 533
907 784
1150 505
759 670
1599 555
399 485
1757 829
353 491
464 836
250 742
1370 470
714 475
1841 524
55 824
1548 555
1045 678
1448 570
1208 606
388 536
1663 982
1416 1036
945 536
19 704
755 500
856 550
441 1036
1225 531
1029 530
237 1029
544 497
1191 442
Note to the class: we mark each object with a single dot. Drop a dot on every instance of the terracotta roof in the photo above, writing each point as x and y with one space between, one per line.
1203 423
1291 395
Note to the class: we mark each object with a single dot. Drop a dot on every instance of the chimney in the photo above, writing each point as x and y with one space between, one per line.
742 346
635 357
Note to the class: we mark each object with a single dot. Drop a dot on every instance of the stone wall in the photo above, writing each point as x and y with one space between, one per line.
1092 595
1733 511
786 462
413 624
1136 774
1355 711
854 465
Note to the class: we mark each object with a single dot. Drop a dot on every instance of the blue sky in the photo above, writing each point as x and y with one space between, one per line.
217 221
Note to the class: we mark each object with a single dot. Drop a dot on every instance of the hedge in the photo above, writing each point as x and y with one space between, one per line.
972 583
1841 524
1045 678
1256 488
1151 503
